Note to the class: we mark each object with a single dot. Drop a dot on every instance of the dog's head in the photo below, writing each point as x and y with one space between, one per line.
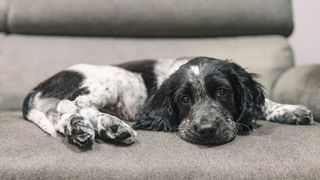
206 100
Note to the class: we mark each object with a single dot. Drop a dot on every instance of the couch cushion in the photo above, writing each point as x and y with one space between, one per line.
152 18
300 85
274 151
27 60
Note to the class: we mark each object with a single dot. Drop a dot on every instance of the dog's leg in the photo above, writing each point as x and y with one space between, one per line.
78 129
287 113
40 119
108 127
69 122
80 124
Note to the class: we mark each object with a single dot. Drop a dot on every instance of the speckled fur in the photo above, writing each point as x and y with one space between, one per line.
80 109
287 113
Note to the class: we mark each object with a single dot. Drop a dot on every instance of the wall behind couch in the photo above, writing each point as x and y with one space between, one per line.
305 39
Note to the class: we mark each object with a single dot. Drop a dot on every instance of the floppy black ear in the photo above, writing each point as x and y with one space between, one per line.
158 113
249 97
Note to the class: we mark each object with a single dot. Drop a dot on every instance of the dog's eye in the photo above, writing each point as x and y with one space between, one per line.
222 92
185 99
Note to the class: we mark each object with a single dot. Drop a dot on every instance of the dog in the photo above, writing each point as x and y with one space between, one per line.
204 100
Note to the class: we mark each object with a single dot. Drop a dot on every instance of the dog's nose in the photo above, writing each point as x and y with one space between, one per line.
206 128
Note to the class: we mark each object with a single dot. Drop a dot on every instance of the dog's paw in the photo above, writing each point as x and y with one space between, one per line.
119 132
79 131
291 114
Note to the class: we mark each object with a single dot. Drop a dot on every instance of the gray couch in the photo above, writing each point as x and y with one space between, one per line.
40 38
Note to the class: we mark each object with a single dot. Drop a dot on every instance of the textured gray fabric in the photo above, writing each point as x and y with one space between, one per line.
27 60
3 15
274 151
300 85
174 18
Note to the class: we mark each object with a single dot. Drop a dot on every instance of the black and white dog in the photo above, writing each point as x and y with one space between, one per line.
204 100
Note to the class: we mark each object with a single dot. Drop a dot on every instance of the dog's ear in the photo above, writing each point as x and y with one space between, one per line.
158 113
249 97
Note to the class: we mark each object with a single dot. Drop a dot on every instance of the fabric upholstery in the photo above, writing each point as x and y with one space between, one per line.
300 85
274 151
152 18
27 60
3 15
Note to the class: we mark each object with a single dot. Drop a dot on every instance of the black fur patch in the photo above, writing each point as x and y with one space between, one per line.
159 113
27 104
63 85
146 69
249 97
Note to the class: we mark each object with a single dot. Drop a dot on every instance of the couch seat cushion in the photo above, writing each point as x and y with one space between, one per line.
274 151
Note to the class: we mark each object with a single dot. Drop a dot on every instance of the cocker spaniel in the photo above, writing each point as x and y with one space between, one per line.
204 100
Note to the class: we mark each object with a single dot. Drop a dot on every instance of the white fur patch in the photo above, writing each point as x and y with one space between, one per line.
44 104
66 106
41 120
195 70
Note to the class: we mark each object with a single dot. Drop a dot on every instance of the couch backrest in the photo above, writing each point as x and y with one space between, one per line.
147 18
26 59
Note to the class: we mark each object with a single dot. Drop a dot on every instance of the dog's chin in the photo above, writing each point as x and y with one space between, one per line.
219 139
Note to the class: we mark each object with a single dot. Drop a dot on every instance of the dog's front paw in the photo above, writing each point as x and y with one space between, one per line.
291 114
119 132
79 131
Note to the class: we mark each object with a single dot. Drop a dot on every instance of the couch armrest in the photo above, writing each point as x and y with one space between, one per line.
4 5
300 85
